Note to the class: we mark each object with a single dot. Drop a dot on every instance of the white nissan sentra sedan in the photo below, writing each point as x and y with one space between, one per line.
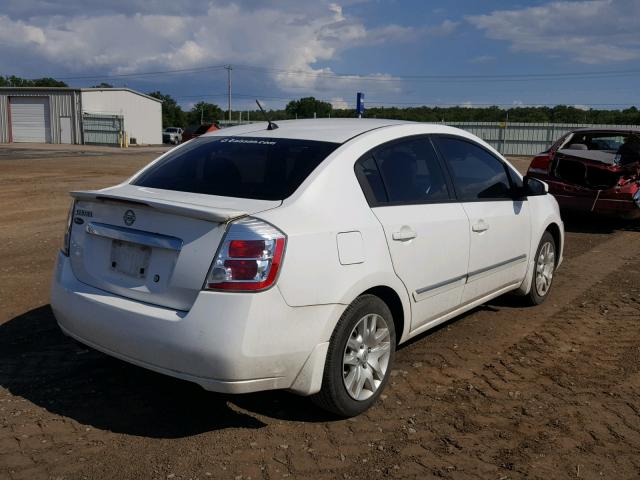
299 256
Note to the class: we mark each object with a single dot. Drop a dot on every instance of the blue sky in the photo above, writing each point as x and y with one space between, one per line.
399 52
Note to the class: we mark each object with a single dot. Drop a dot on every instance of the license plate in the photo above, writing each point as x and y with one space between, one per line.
130 259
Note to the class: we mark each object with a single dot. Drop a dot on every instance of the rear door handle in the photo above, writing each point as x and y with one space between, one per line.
481 226
404 235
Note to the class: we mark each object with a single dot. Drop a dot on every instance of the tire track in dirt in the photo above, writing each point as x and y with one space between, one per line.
564 395
504 392
558 404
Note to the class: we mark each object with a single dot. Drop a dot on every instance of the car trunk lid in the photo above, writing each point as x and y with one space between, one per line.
151 245
595 170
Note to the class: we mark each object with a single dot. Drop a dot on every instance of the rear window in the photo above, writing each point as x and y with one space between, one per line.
257 168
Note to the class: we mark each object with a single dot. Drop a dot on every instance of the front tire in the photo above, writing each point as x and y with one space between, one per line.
544 268
359 360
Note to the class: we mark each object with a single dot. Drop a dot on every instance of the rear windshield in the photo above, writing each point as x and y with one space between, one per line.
244 167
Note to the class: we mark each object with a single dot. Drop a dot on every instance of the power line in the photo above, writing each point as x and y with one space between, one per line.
360 77
140 74
373 103
251 96
450 77
466 104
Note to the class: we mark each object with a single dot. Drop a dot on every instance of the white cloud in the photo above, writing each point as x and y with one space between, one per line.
339 103
282 36
591 32
337 10
16 34
483 59
447 27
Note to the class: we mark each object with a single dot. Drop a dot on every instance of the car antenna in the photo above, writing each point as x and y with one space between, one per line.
272 125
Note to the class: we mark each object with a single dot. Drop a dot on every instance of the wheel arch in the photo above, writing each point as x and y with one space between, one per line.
391 298
556 232
554 229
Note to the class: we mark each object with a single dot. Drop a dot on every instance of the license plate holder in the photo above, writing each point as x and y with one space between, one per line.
130 259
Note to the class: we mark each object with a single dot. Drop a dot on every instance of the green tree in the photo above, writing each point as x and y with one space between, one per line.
103 85
307 106
13 81
172 114
203 112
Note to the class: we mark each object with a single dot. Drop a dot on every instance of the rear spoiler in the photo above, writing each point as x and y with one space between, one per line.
201 212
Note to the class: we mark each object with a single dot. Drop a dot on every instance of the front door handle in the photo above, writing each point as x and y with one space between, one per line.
405 234
481 226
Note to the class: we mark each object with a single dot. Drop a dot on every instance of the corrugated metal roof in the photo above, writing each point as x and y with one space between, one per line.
123 89
71 89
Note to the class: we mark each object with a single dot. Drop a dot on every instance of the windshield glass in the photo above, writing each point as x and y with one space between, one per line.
257 168
170 130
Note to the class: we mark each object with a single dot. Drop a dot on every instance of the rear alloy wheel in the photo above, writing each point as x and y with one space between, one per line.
366 357
544 268
359 358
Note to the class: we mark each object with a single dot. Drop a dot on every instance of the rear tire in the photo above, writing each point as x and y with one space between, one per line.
543 271
360 357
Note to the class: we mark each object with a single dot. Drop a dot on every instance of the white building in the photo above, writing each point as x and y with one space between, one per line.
73 115
142 114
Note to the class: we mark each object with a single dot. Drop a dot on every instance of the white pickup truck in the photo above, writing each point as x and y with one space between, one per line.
172 135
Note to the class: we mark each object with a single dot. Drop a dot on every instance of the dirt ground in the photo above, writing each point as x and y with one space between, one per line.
502 393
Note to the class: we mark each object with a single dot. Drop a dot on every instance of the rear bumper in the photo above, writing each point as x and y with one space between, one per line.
623 209
609 203
611 208
227 342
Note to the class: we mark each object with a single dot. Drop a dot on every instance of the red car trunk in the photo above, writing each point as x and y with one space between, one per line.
586 173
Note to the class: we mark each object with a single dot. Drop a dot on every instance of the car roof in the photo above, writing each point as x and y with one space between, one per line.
606 130
337 130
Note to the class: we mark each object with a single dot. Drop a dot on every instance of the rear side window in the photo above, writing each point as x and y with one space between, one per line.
477 174
411 172
370 180
243 167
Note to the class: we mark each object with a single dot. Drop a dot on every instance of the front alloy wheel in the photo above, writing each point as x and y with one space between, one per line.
545 265
359 359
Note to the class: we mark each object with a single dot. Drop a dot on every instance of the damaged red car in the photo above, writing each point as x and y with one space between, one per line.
593 170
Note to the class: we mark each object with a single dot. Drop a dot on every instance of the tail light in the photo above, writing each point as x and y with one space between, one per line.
249 257
66 244
541 163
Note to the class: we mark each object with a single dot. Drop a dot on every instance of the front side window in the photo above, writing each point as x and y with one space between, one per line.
477 174
411 172
256 168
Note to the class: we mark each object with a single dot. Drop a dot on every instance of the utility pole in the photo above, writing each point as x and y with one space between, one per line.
228 68
504 133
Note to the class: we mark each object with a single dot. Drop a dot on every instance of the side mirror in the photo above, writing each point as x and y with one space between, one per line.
534 187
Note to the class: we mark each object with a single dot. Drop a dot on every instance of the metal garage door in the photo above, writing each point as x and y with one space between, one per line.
30 119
